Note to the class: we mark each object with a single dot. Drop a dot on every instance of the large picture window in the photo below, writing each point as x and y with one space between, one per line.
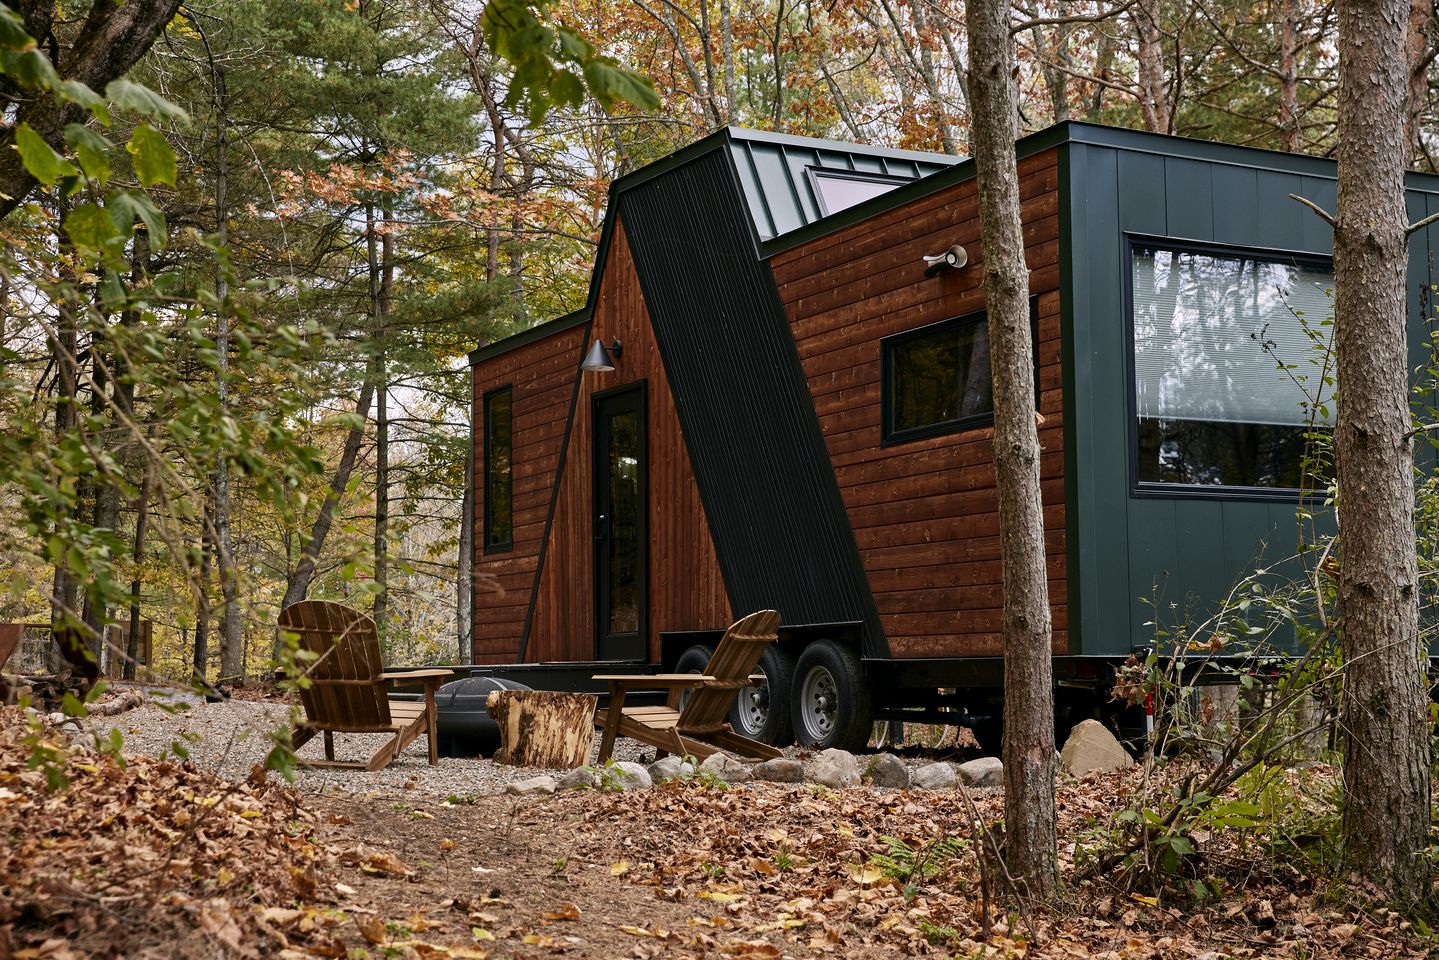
1228 365
936 379
499 443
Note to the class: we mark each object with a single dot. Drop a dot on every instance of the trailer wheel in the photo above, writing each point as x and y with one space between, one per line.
762 712
693 660
830 706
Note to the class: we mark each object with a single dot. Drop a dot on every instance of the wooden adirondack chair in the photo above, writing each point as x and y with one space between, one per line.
348 690
695 727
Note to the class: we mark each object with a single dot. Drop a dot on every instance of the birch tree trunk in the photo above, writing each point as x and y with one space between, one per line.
1386 748
1028 673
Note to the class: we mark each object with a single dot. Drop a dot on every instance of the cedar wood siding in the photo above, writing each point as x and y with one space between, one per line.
685 589
925 512
541 376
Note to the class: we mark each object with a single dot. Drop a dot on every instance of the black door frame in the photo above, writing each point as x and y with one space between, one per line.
636 393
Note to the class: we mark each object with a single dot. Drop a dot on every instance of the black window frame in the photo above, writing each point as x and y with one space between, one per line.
1159 489
887 345
509 542
814 174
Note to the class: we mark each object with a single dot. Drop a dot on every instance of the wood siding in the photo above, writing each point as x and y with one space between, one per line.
541 376
685 590
925 512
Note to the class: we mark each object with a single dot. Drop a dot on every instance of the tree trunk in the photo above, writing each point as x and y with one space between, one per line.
1153 98
232 640
1419 54
66 585
137 555
1028 684
464 567
382 278
1386 748
200 661
1289 80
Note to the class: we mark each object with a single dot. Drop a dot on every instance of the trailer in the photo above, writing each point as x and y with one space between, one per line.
777 396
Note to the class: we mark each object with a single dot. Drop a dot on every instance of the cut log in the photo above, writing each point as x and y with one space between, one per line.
540 728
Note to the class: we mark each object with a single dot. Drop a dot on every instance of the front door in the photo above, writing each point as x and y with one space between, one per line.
620 530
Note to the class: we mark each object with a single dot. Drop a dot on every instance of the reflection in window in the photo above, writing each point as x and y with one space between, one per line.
936 380
622 459
840 190
1228 355
499 511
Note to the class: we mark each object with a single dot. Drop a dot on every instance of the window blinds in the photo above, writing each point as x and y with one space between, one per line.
1210 333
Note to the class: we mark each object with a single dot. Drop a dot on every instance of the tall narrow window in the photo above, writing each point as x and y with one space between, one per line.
499 442
1229 354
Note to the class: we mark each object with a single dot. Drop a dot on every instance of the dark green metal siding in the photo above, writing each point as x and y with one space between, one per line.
1186 551
780 530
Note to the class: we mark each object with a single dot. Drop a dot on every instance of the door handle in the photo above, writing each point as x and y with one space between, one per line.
602 527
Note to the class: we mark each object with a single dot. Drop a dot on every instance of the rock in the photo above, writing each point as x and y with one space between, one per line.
577 779
780 770
726 768
670 768
834 768
887 770
541 784
1092 747
934 776
625 775
984 772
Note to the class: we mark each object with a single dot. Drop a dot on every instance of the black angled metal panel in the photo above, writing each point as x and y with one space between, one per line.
779 526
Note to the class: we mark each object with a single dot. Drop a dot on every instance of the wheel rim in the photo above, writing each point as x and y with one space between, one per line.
752 708
819 703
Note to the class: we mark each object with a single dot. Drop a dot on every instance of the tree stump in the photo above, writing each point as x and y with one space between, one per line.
540 728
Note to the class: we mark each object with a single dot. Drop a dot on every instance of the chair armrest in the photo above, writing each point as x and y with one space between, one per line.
651 681
425 677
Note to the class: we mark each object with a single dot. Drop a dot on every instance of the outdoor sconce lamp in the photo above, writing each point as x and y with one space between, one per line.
600 360
952 259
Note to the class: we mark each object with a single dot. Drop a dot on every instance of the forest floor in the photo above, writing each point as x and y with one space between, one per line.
158 859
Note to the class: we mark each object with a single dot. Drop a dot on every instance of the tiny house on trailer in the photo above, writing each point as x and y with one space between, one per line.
777 396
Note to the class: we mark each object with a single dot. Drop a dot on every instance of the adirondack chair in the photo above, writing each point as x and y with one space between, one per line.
348 691
693 722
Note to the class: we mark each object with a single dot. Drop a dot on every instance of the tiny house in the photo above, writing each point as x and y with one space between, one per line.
777 396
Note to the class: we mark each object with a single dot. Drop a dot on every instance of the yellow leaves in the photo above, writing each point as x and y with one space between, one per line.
619 869
657 933
251 814
867 875
448 844
540 940
720 897
382 862
566 911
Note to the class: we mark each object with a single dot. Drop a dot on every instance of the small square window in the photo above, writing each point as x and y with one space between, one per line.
936 379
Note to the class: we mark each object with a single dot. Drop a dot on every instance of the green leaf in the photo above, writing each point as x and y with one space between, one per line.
13 35
40 158
609 82
71 706
78 93
142 100
92 150
154 159
92 231
29 68
127 206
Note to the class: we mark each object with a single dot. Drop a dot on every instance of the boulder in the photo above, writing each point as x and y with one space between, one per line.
887 770
1092 747
780 770
577 779
984 772
726 768
934 776
625 775
670 768
541 784
833 768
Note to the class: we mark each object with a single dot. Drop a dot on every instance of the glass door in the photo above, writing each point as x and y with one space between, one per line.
621 572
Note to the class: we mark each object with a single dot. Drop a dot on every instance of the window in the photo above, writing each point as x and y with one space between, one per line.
935 380
1228 349
838 190
499 441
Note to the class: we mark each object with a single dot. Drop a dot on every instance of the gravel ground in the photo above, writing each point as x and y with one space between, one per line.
230 738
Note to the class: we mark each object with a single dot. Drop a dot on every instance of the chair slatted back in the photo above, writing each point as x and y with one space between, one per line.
731 665
345 688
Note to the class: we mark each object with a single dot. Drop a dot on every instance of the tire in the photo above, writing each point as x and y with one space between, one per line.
830 706
762 713
693 660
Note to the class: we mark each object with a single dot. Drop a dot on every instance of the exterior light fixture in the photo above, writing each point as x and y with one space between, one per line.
600 360
952 259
